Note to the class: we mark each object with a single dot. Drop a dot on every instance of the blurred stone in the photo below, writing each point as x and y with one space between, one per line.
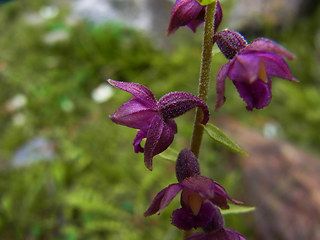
283 183
149 15
35 150
253 14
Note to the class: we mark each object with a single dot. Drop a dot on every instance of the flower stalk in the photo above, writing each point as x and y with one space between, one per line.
203 83
204 76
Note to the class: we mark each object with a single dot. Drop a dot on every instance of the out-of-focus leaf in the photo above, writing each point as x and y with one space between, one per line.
237 209
170 154
219 136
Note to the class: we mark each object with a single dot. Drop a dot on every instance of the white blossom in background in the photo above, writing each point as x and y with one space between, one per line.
56 36
49 12
16 102
102 93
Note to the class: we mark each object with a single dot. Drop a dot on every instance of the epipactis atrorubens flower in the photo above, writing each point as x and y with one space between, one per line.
190 13
154 118
199 196
250 68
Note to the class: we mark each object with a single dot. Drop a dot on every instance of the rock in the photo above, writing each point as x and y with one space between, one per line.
35 150
282 182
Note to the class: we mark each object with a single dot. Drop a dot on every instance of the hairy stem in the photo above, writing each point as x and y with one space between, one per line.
204 76
203 82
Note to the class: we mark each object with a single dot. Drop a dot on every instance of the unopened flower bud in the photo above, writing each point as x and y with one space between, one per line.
229 42
187 165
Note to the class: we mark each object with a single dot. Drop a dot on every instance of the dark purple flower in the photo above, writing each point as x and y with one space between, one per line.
152 117
221 234
198 198
215 229
251 68
190 13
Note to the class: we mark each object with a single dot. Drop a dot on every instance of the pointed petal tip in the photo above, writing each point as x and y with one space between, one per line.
148 163
110 81
219 104
295 79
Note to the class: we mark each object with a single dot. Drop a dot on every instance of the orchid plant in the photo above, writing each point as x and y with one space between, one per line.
250 68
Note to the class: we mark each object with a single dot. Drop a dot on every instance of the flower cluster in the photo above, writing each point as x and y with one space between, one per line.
250 68
200 198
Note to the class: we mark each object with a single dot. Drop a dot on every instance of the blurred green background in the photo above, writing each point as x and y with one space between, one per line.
66 171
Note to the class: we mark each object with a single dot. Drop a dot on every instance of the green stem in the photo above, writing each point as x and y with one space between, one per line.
204 76
203 82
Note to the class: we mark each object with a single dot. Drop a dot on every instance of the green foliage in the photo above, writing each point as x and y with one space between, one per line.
219 136
237 209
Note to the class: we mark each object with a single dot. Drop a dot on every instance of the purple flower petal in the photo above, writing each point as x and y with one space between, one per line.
220 84
234 235
184 219
194 24
245 68
218 17
256 95
137 90
221 234
160 136
267 46
199 184
198 236
175 104
207 189
136 142
183 13
134 114
163 198
276 66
